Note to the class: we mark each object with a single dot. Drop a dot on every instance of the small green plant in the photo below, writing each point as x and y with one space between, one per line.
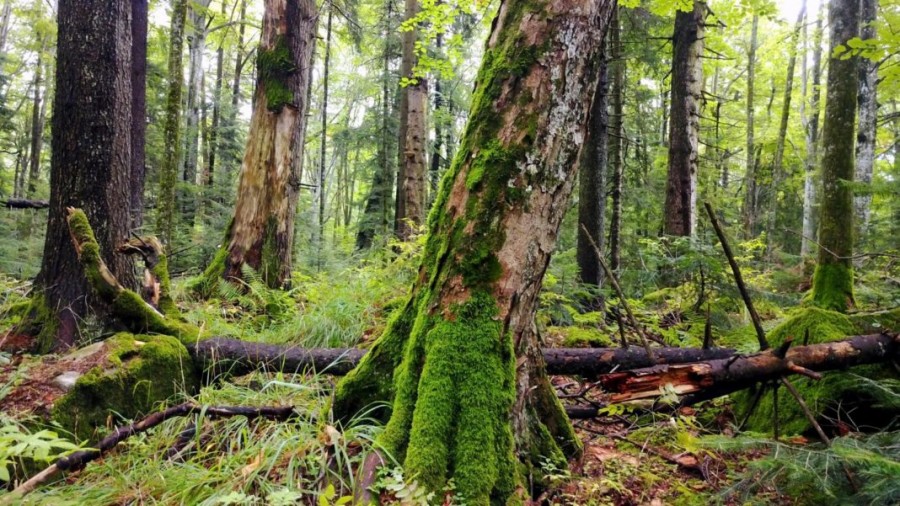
392 485
17 444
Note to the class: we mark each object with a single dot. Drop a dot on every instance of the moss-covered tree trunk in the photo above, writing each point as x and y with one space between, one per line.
91 160
684 127
833 279
262 230
461 361
168 172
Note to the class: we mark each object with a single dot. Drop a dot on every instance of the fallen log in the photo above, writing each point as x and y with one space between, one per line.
25 204
240 357
714 378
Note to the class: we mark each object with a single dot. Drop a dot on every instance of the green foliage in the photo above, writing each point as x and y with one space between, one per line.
19 445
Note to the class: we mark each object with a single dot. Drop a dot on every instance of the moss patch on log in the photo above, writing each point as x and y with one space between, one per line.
140 372
834 387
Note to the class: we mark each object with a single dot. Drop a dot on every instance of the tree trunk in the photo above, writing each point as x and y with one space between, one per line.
323 141
592 171
687 82
91 161
812 145
217 110
37 124
868 112
139 20
471 393
410 212
777 175
833 279
617 140
434 174
751 176
168 173
261 232
196 47
375 214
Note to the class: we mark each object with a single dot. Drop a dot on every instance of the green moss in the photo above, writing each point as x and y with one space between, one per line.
275 67
455 389
832 287
140 372
161 272
138 316
204 286
823 326
875 322
580 337
43 322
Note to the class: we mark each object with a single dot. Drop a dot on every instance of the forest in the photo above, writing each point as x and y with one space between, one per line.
450 252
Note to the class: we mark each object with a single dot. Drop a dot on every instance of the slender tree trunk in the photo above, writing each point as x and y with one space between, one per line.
375 214
810 206
410 212
5 17
436 151
687 82
37 124
470 392
751 177
777 171
91 162
593 168
168 174
233 149
261 233
192 137
617 140
833 279
139 23
323 144
868 113
217 109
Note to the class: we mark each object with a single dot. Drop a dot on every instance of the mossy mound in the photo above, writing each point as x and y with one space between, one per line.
831 391
138 372
875 322
581 337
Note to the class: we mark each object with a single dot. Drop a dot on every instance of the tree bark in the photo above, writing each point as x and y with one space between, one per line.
617 140
168 173
139 22
323 141
687 83
751 175
410 213
470 391
91 160
833 279
261 232
192 138
777 171
868 113
37 124
217 110
812 145
375 215
592 172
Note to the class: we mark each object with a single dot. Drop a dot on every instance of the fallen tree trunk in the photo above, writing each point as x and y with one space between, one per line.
714 378
25 204
239 357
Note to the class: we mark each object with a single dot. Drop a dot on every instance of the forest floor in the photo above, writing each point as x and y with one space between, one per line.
632 454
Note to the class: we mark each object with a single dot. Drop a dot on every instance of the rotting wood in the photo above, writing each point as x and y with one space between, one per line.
237 357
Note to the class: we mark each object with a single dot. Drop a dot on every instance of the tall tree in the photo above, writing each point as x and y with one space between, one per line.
37 121
91 162
868 112
811 124
199 25
461 359
616 139
592 173
684 124
323 141
778 162
833 279
751 177
168 173
139 20
261 232
410 209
